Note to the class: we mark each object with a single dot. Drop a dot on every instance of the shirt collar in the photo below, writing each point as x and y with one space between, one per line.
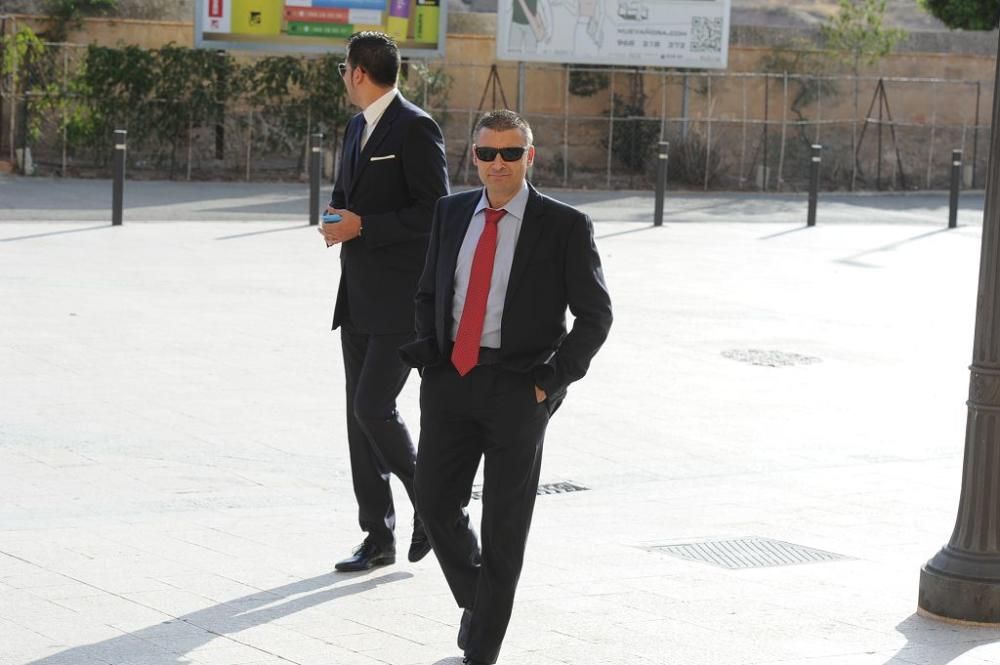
375 110
513 207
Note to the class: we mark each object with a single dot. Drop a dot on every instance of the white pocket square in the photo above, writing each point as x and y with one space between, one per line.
375 159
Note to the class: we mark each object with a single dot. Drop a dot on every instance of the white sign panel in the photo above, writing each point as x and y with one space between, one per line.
661 33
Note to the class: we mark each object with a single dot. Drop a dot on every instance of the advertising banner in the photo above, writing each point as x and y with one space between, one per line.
660 33
319 26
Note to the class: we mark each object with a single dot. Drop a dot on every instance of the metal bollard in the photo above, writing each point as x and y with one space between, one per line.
956 181
118 178
315 169
814 183
661 182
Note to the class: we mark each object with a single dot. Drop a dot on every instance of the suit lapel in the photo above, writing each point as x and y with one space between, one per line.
378 135
527 240
451 243
350 162
456 236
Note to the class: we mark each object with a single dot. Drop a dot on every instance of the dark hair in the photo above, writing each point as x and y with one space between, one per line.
502 120
377 54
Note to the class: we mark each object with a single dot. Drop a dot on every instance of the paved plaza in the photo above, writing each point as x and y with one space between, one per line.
174 473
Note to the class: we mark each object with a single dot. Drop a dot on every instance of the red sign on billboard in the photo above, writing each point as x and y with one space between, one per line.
215 8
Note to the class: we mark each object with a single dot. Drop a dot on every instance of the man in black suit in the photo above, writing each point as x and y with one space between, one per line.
392 171
503 265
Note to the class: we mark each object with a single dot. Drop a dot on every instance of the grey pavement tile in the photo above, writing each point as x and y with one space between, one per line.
512 657
28 577
225 649
216 488
849 658
593 654
112 610
957 654
405 653
370 640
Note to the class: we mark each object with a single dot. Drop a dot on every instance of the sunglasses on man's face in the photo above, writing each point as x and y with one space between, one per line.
342 68
485 154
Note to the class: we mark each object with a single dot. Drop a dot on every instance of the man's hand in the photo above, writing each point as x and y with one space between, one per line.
348 228
539 395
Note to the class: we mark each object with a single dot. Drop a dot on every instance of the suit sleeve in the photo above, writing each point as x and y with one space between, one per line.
338 199
423 349
424 322
427 181
590 304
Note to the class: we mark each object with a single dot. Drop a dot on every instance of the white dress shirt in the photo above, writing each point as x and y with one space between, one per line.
373 113
508 229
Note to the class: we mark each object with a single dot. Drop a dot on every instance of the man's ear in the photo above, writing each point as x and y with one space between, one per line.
531 155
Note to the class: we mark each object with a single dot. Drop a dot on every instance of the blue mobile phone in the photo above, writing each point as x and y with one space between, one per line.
330 218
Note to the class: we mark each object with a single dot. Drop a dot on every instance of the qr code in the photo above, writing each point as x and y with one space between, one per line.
706 34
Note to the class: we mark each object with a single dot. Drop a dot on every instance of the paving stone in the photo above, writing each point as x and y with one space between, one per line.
173 454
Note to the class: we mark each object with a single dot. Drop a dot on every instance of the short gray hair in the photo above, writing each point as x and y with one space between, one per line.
503 120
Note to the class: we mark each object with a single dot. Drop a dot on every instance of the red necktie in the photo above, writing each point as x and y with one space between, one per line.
465 354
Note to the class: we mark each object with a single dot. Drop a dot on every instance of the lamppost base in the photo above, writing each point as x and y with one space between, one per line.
948 596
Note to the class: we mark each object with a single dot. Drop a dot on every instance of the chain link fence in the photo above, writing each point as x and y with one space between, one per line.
595 127
736 131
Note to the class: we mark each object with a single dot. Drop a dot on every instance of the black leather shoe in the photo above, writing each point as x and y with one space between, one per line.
367 556
419 544
463 629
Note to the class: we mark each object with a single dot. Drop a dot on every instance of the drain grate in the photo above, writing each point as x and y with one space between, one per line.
765 358
561 487
738 553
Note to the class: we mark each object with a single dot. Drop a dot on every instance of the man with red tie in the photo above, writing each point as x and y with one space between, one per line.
503 264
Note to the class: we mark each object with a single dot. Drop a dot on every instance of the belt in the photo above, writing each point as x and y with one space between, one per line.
488 356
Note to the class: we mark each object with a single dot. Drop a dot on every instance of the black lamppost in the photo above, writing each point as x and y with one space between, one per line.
962 581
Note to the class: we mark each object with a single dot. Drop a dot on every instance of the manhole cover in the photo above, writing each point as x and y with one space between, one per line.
561 487
766 358
747 553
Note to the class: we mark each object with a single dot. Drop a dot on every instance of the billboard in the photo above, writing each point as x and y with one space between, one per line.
319 26
660 33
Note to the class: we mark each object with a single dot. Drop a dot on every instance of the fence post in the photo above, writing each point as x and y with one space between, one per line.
118 177
315 168
814 183
956 181
661 182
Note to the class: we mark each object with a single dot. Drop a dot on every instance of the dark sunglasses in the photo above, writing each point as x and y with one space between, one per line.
342 67
484 154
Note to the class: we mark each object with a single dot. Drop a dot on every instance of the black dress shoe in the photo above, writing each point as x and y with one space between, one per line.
367 556
463 629
419 544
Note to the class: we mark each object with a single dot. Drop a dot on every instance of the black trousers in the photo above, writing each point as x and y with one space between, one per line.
489 414
379 442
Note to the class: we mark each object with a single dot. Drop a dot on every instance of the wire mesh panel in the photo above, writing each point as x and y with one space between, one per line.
594 127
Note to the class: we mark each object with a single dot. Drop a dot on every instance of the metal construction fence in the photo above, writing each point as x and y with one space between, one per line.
594 127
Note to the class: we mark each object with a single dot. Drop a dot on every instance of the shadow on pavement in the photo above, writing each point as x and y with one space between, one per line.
257 233
933 642
89 195
784 233
55 233
621 233
853 259
167 643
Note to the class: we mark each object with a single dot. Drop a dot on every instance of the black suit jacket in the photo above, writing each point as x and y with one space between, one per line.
556 265
398 177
